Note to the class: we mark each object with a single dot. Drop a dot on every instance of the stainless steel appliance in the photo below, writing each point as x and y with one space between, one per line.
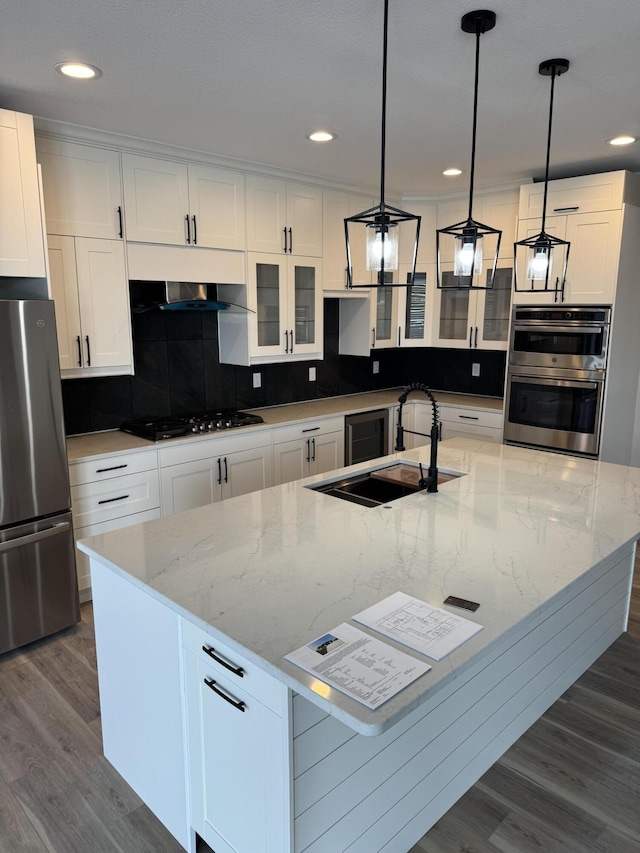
366 436
556 377
156 429
38 585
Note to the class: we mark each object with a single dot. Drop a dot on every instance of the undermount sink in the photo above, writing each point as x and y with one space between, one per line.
381 485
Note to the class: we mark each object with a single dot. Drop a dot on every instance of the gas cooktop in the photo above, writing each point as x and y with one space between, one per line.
156 429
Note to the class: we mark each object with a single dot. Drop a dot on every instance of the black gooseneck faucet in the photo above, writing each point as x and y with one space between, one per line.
430 482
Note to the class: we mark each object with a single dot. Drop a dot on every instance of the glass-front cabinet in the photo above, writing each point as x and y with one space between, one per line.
474 319
415 306
384 310
286 296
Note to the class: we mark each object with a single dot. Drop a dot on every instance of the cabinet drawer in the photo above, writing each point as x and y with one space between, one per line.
253 681
209 447
107 467
587 194
470 416
307 429
120 496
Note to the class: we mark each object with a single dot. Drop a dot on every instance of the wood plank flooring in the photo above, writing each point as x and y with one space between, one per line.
570 784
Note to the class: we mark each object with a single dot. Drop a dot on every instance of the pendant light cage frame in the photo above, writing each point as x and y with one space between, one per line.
383 221
466 243
536 257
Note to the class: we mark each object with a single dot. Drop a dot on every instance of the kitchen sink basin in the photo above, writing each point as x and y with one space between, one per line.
380 486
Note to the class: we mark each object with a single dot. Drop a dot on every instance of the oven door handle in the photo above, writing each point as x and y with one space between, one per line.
587 384
572 327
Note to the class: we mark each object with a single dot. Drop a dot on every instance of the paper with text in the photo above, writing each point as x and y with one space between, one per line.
414 623
359 665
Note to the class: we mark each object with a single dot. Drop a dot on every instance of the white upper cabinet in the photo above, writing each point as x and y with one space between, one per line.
283 218
178 204
90 291
336 207
589 213
82 189
21 227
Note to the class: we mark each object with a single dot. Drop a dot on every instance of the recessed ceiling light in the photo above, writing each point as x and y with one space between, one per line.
621 140
321 136
78 70
452 172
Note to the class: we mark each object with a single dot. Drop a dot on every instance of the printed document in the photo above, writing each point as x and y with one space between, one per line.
416 624
359 665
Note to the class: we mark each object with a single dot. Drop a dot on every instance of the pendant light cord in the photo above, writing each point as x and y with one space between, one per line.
475 118
384 107
546 170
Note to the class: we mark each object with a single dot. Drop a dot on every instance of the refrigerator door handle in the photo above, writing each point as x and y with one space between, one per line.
47 533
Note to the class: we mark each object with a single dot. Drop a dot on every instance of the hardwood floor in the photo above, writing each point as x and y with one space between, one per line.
571 783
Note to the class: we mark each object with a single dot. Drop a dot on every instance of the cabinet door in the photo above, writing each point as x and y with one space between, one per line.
216 200
413 326
327 452
82 195
454 317
237 764
501 211
451 430
592 270
267 296
246 471
407 424
266 215
190 484
21 226
156 199
384 301
104 302
493 309
291 460
64 292
422 421
305 306
304 219
335 209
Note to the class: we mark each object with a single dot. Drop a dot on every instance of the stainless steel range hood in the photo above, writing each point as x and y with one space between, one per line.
188 296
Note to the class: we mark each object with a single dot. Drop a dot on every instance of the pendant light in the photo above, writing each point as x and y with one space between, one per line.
382 222
537 258
464 249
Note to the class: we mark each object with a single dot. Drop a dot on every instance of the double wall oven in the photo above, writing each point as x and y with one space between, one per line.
556 377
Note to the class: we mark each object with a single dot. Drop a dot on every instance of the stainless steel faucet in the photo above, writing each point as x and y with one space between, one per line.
430 482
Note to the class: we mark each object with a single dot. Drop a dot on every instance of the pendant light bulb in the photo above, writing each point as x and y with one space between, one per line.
382 247
540 263
468 255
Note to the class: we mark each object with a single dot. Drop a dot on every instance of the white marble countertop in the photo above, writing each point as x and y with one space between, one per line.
269 571
95 444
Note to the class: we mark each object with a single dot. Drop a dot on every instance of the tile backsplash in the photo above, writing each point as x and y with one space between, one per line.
177 371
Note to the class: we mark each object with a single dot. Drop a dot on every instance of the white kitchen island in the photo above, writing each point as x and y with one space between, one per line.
269 760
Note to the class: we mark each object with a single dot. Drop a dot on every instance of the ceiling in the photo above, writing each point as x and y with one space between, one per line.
249 78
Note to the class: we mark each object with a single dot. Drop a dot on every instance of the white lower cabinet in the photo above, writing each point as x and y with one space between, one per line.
459 422
237 749
307 448
109 493
209 471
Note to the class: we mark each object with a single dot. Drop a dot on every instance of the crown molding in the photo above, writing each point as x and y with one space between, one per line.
67 132
440 198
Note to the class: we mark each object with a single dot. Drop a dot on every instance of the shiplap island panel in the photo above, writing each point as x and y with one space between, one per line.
544 542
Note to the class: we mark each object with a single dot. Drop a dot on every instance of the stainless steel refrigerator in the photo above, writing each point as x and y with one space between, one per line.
38 584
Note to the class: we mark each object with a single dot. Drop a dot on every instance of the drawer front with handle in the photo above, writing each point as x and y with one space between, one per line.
95 502
477 417
308 429
231 671
107 467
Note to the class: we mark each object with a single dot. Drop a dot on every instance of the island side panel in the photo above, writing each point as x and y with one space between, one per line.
141 696
380 794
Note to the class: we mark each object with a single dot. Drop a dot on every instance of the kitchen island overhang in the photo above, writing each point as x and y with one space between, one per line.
544 542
